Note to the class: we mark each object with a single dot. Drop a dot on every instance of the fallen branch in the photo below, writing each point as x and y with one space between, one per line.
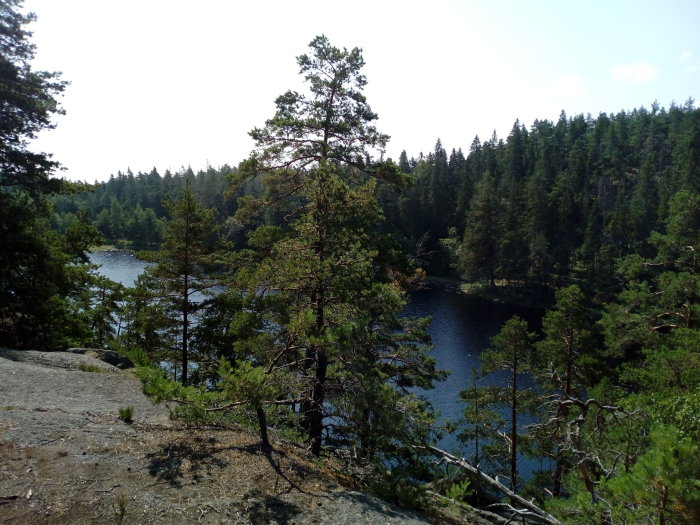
275 402
531 510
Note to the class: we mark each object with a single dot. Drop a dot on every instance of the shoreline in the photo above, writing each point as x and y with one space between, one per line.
519 296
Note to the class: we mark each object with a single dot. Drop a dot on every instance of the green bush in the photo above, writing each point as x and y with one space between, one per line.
126 414
84 367
396 487
459 491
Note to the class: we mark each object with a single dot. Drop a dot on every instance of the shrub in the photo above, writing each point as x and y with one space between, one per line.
85 367
126 414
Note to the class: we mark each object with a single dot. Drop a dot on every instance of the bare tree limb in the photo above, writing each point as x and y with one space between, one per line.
530 509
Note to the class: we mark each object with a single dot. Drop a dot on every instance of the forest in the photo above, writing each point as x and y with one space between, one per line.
277 287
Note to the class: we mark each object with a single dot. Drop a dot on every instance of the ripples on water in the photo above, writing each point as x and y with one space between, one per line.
119 265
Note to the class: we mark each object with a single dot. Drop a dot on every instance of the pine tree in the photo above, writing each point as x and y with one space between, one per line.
181 271
564 365
38 268
511 350
330 308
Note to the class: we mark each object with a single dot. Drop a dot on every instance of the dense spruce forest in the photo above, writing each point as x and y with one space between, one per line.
277 288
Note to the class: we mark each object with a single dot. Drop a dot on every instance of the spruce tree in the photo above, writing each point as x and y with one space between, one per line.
480 256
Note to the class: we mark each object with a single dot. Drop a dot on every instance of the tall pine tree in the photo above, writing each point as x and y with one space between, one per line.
319 279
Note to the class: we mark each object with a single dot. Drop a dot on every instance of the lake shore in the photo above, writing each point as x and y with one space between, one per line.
502 292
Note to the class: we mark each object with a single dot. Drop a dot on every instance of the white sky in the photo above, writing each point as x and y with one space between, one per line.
173 83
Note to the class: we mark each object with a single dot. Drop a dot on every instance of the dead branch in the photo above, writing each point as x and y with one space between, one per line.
530 509
241 403
664 328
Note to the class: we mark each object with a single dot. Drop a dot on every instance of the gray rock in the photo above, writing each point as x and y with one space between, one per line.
108 356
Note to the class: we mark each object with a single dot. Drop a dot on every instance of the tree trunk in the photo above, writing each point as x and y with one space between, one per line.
262 422
562 412
185 335
318 397
514 426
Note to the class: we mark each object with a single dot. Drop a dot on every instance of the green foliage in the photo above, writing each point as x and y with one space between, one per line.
570 197
307 333
43 279
129 209
148 327
679 411
481 424
324 310
653 323
137 356
193 405
395 485
565 358
162 305
480 243
646 466
126 414
565 364
29 104
247 382
95 306
119 509
84 367
511 350
222 324
663 486
460 490
182 263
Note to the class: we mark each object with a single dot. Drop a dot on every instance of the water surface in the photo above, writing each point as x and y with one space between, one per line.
119 265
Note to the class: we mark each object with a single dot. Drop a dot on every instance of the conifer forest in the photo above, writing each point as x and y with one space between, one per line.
276 288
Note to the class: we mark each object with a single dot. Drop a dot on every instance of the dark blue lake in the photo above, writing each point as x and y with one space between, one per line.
461 328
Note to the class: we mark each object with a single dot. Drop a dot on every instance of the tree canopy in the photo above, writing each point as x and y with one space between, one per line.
39 283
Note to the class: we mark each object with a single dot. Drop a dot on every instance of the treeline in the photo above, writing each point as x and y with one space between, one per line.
557 203
133 207
600 216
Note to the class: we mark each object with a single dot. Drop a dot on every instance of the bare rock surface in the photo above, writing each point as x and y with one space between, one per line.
67 457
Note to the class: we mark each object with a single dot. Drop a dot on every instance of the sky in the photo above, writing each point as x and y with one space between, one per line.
172 84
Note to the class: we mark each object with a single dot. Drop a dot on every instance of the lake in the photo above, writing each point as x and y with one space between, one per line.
461 329
119 265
